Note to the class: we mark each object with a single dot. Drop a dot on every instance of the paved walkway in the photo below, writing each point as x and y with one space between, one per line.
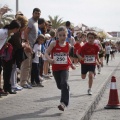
108 114
41 103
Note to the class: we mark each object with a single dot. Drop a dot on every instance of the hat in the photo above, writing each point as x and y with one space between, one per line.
47 35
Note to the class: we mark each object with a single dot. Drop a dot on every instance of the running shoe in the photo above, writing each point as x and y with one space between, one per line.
2 93
27 86
89 92
40 85
61 106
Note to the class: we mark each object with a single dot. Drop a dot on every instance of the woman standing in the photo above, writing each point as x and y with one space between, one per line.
5 35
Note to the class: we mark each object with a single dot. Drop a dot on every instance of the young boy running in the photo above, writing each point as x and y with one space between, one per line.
88 56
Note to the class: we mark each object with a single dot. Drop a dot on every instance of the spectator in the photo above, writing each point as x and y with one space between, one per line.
13 27
31 35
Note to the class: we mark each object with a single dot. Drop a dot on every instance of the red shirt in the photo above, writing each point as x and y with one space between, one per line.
77 46
89 53
61 57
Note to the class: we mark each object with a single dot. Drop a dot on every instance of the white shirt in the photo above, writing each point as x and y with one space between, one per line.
37 51
3 36
72 41
107 49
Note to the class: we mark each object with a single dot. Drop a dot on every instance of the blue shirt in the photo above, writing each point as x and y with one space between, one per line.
68 36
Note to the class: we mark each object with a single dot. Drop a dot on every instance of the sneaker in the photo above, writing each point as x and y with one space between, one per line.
47 76
99 69
89 92
61 106
50 75
33 84
2 93
40 85
27 86
12 91
41 78
17 88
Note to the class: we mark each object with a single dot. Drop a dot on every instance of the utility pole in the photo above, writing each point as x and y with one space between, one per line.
17 6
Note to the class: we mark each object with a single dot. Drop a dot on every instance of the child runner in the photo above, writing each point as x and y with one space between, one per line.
77 46
88 55
60 61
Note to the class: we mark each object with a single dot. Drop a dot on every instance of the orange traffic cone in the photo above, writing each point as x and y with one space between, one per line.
113 102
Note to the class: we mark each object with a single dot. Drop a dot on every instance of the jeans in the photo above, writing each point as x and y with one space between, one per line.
35 73
61 78
107 57
7 69
13 78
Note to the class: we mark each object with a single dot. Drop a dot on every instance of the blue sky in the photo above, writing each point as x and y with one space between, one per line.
104 14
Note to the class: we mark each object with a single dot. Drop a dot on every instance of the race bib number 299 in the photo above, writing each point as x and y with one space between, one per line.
60 58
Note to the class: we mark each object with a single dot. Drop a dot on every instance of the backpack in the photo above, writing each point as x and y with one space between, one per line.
6 51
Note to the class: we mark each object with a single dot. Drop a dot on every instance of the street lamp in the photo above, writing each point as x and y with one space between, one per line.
17 5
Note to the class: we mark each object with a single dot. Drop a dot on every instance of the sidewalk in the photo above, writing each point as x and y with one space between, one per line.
108 114
41 103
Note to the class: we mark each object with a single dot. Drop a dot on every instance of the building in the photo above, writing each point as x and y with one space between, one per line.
115 34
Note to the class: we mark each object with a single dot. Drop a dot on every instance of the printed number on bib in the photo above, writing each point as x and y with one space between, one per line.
89 59
60 58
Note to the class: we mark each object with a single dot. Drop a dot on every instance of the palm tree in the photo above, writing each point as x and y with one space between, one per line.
56 21
6 19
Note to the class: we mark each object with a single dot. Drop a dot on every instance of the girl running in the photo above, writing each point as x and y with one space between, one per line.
60 61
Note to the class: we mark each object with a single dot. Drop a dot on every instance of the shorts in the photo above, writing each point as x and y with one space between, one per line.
44 58
87 68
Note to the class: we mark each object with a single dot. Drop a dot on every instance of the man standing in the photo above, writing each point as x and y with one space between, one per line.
31 35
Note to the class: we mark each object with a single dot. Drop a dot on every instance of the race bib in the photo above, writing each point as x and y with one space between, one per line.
60 58
89 59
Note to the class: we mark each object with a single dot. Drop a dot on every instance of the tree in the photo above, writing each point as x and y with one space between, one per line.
5 19
56 21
